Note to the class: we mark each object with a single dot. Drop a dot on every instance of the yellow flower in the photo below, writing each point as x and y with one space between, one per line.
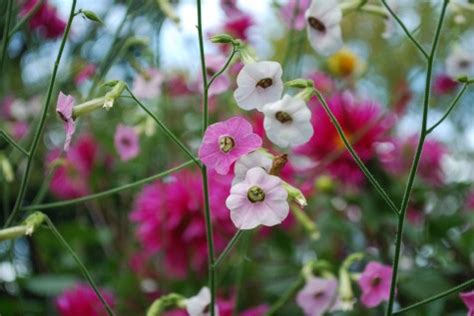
345 63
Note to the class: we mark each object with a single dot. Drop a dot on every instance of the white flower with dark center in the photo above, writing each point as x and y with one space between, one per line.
254 159
287 122
258 83
461 60
199 305
323 20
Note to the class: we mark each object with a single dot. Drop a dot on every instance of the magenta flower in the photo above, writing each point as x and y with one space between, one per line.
225 142
45 20
317 296
258 200
443 84
81 300
468 299
375 284
238 25
294 18
126 142
64 108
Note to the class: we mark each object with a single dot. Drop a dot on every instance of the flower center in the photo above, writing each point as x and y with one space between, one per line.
226 143
206 309
126 142
283 117
376 281
463 63
210 72
318 295
265 83
255 194
316 24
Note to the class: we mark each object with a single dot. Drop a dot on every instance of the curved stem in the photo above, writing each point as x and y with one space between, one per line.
12 142
228 248
416 160
40 128
217 74
25 19
205 116
5 32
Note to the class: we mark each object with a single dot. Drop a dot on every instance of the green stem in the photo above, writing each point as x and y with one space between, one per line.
25 19
416 160
407 32
107 192
455 289
40 128
83 269
165 129
5 33
217 74
12 232
355 156
205 116
12 142
450 108
286 296
228 248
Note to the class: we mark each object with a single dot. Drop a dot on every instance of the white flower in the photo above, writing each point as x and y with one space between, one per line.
323 19
256 158
287 122
198 305
258 83
461 60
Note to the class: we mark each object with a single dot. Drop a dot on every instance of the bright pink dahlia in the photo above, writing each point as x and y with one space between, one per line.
126 142
170 219
375 284
225 142
64 109
81 300
293 13
468 299
45 20
362 123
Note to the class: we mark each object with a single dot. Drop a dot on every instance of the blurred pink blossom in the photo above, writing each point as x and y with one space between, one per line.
375 284
148 85
238 26
292 18
443 84
64 108
468 299
221 84
126 142
85 73
322 82
81 300
317 296
45 20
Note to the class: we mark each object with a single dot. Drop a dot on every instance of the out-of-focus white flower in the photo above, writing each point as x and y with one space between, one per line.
461 60
198 305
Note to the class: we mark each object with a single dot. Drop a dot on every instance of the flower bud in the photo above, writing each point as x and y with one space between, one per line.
91 16
299 83
222 39
166 302
113 94
7 169
34 221
295 195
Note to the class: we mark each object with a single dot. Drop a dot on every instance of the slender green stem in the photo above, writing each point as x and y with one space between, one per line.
217 74
107 192
12 142
286 296
40 128
416 160
407 32
82 267
205 116
165 129
450 108
355 156
228 248
25 19
5 32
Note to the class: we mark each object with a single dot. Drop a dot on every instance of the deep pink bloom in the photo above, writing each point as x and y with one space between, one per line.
230 7
359 119
71 179
238 26
259 310
85 73
170 219
126 142
20 130
81 300
375 284
225 142
443 84
468 299
221 84
177 86
317 296
293 13
45 20
322 82
64 109
469 202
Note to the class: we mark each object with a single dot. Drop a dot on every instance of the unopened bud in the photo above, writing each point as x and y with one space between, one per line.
91 16
222 39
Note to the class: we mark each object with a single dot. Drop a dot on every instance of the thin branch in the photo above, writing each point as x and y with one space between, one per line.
217 74
228 248
12 142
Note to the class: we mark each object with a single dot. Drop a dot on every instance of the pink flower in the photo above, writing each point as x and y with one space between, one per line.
81 300
85 73
259 310
177 86
64 109
317 296
258 200
238 26
169 215
468 299
214 63
126 142
45 20
225 142
443 84
148 85
322 82
375 284
294 18
469 202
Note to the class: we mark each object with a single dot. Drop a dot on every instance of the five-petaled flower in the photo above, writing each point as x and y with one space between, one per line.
256 158
375 284
64 109
126 142
318 296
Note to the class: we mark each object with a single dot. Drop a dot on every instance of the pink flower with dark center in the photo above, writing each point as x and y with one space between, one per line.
81 300
85 73
375 284
221 84
64 109
468 299
443 84
293 13
318 296
225 142
148 85
260 199
45 20
126 142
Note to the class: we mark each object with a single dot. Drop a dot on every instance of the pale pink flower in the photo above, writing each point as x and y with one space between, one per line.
258 200
468 299
257 158
81 300
85 73
126 142
221 84
293 13
317 296
64 109
375 284
225 142
148 85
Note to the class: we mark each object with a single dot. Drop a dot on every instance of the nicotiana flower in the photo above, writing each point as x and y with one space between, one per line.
288 122
81 300
258 200
293 13
126 142
64 108
323 20
375 284
225 142
318 296
199 305
258 83
148 85
254 159
461 60
468 299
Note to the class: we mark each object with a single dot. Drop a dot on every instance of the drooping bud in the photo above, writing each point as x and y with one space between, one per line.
166 302
113 94
278 163
295 195
222 39
34 221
